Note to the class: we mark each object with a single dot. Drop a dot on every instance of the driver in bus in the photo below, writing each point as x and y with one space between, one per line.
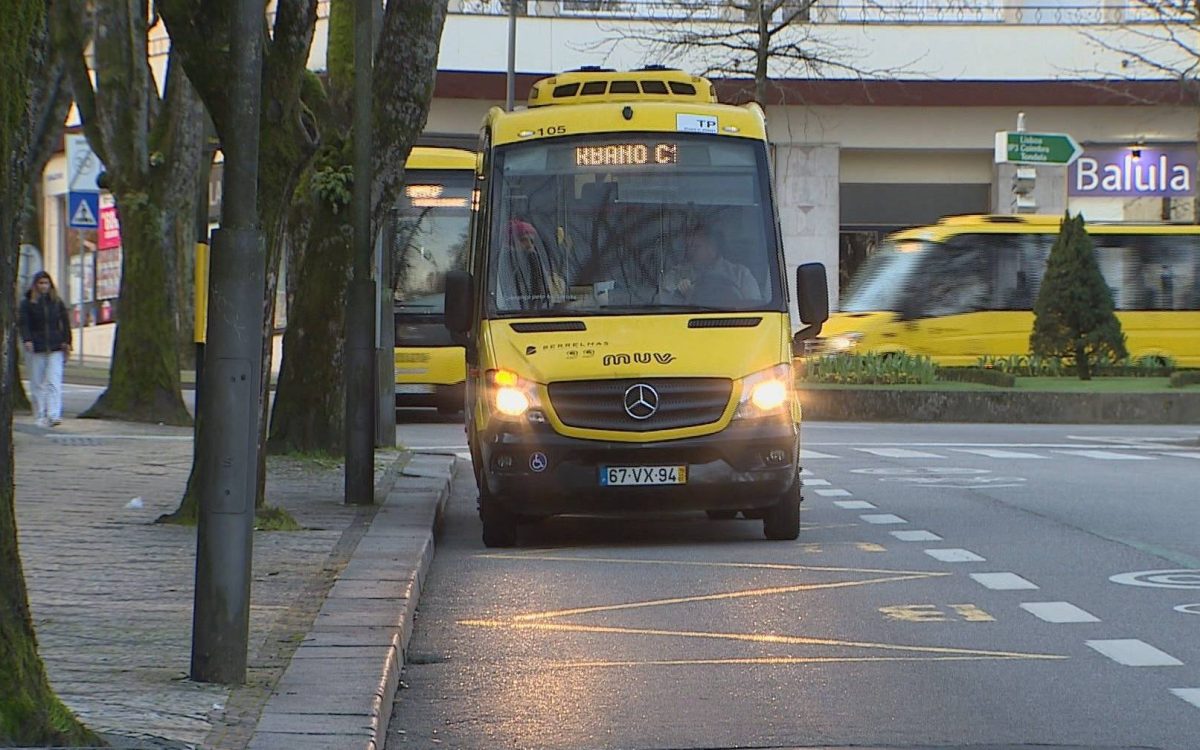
706 278
529 280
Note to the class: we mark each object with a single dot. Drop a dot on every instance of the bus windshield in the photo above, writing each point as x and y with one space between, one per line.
884 280
632 223
431 238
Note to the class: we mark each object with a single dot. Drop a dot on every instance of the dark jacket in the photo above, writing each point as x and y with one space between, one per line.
45 323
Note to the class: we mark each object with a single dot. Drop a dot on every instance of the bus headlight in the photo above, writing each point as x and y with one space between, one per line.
843 343
511 395
765 392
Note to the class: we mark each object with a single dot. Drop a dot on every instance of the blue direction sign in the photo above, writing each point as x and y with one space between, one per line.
1019 147
83 210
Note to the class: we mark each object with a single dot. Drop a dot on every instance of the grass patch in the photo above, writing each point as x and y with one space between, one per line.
272 518
321 461
1029 385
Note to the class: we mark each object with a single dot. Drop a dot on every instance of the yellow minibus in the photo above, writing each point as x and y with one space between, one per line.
626 312
431 239
964 288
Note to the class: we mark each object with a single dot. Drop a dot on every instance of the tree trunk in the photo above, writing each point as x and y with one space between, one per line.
144 380
30 713
1082 366
309 408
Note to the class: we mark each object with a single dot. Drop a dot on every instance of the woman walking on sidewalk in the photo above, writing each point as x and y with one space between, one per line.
46 331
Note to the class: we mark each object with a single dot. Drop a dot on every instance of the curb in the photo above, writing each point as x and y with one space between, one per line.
339 687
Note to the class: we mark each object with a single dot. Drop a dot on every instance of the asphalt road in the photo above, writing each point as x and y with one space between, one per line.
954 586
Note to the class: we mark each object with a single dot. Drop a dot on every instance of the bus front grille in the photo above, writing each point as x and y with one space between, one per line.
655 403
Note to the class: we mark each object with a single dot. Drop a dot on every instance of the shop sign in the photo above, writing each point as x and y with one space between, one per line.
109 232
1161 170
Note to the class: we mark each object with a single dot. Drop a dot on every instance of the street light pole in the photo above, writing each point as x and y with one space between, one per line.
227 419
510 78
360 298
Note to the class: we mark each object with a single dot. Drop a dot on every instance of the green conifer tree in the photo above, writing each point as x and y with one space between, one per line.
1073 315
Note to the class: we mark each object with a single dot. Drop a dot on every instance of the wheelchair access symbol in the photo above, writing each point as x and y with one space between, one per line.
538 462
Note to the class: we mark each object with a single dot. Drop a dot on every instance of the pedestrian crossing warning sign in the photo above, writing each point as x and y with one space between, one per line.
83 210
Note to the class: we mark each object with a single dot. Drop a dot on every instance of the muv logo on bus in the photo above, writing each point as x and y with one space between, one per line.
641 358
641 401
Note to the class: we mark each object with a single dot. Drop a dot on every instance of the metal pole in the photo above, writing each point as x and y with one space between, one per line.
385 355
510 77
360 300
227 427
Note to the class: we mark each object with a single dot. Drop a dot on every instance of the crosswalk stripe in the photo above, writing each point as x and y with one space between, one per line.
1134 653
805 454
816 482
996 453
898 453
954 555
916 536
882 518
1108 455
1002 581
1191 695
1185 454
854 505
1058 612
833 493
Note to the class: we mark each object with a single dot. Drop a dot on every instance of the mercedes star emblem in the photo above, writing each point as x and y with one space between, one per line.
641 401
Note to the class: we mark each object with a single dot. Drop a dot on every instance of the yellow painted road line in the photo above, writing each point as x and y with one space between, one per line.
782 661
791 640
726 595
704 564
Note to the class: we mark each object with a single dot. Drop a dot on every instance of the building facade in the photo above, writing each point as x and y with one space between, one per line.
898 126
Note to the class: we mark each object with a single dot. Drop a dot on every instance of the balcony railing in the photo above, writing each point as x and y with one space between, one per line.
1045 12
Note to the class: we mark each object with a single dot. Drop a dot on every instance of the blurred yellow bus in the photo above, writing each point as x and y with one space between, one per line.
431 239
965 287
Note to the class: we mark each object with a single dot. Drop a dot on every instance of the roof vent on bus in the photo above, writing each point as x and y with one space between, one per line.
595 84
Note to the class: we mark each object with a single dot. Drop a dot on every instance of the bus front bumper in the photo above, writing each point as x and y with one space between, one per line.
533 470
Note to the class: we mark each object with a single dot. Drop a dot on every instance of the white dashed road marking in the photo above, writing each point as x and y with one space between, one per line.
1003 581
1191 695
954 555
916 536
833 493
1134 653
1058 612
816 482
996 453
1108 455
882 518
813 454
854 504
898 453
1184 454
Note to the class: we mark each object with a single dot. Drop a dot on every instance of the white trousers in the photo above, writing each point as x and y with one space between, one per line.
45 380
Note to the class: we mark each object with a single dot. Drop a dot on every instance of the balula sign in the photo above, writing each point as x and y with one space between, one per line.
1167 171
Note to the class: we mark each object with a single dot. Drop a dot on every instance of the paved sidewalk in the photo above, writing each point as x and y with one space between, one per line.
111 591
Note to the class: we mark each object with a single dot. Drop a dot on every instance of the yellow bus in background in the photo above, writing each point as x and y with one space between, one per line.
964 288
626 311
430 240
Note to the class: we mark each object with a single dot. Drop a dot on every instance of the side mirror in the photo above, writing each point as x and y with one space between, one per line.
460 301
812 293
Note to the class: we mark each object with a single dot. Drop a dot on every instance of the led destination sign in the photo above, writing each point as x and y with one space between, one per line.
626 155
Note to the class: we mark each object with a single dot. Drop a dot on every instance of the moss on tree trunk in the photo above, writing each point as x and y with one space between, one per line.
144 380
309 411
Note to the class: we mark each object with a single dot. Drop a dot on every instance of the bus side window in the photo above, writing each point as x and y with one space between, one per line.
961 276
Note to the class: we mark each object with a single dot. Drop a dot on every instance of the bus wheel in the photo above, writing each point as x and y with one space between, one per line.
782 520
499 526
721 515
